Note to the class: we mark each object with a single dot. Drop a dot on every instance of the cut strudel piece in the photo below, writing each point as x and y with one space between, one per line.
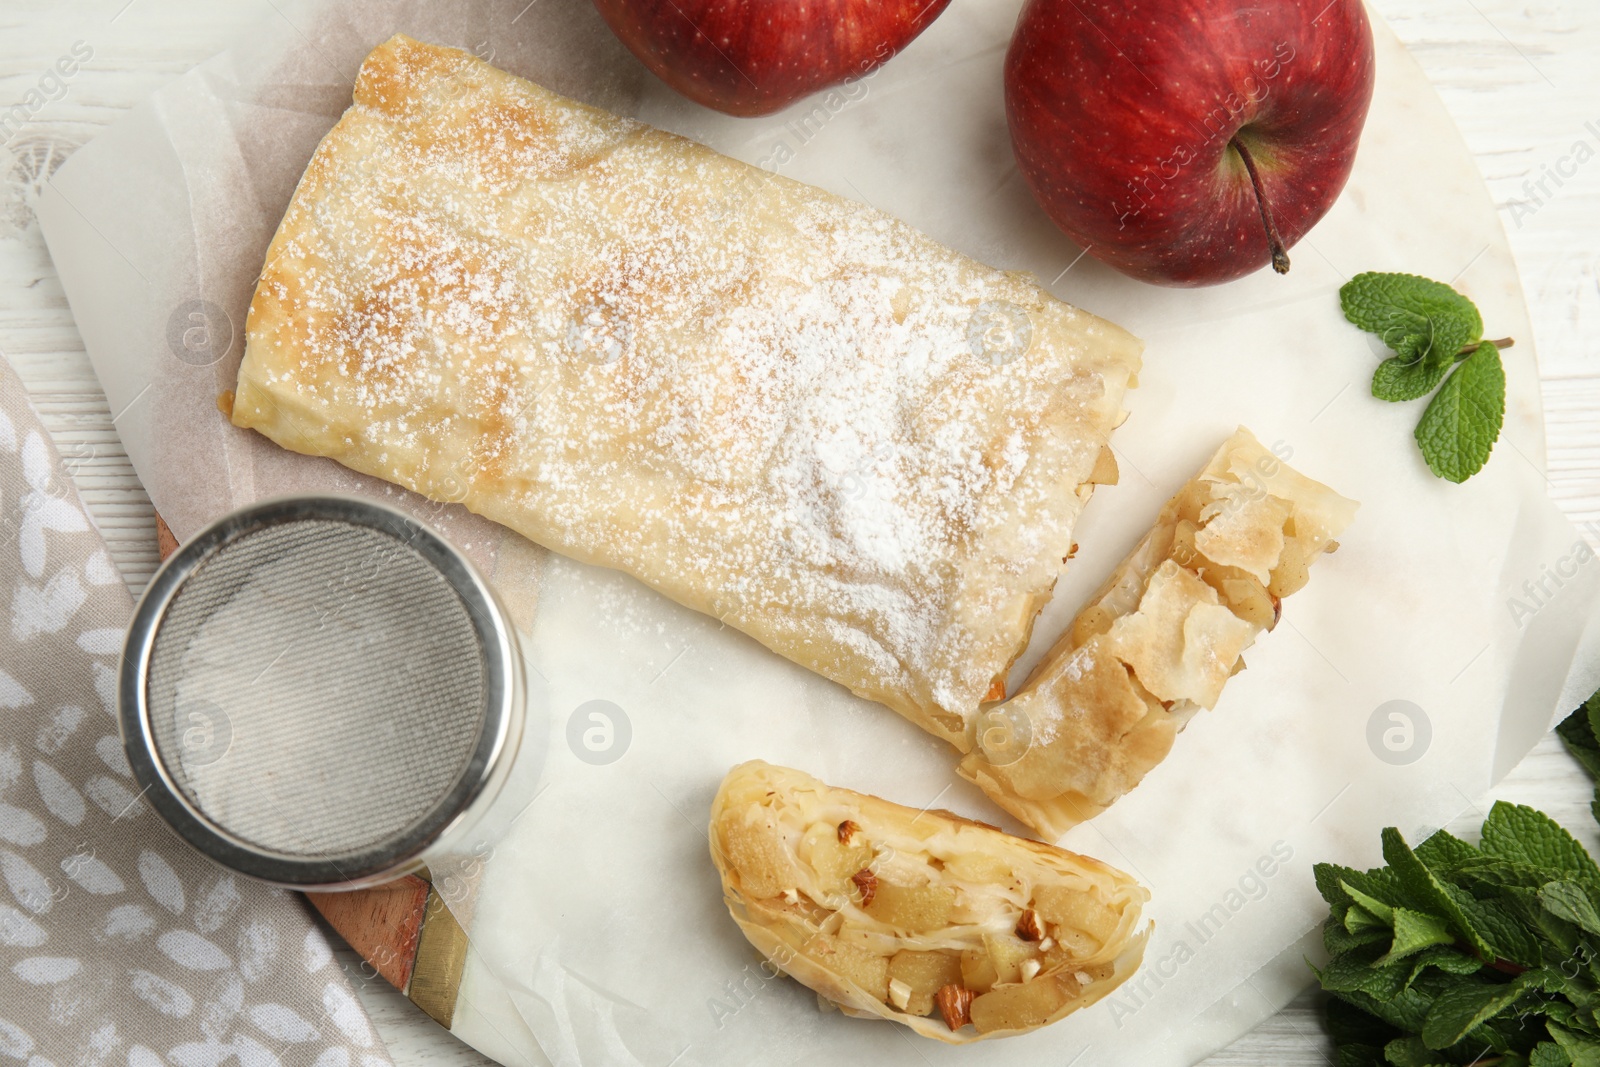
1158 640
773 405
948 926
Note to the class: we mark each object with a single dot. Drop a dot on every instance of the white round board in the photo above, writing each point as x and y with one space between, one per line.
598 933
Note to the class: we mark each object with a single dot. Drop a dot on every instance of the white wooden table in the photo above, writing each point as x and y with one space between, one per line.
1521 79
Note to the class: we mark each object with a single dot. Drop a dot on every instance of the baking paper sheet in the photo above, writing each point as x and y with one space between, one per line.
1421 663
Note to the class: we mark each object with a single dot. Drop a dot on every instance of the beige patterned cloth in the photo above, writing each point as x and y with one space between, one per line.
118 944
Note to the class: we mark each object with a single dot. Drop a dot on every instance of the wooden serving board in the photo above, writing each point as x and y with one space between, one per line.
402 929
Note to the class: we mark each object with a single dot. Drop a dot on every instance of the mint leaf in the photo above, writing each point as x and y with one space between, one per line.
1580 732
1406 1010
1557 937
1497 875
1336 939
1414 316
1447 960
1414 932
1582 1049
1395 380
1577 733
1522 835
1411 1052
1494 924
1443 852
1548 1054
1380 884
1350 973
1328 877
1359 921
1460 1010
1570 901
1578 991
1377 908
1462 422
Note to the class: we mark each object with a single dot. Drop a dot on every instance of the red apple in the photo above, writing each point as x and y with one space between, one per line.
1188 142
753 57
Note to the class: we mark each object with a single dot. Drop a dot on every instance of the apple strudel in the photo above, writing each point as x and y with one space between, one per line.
947 926
773 405
1159 639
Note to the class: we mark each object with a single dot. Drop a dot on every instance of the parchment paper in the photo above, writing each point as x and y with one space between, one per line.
597 923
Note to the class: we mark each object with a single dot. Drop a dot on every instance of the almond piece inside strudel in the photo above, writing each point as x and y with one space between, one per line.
945 925
1159 639
779 407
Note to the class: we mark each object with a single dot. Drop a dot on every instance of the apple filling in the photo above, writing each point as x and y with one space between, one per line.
948 926
1158 641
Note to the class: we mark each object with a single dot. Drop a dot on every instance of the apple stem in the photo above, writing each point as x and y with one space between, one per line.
1280 255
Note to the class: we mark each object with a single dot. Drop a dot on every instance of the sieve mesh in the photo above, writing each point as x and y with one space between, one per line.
316 688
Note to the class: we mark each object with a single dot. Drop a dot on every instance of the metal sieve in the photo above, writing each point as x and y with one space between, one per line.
320 692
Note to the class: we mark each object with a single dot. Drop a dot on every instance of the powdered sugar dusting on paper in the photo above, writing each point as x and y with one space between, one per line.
762 400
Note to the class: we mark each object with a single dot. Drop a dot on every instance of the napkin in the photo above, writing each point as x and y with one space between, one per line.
119 943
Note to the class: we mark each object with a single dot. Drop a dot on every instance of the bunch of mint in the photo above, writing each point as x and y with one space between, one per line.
1436 335
1462 954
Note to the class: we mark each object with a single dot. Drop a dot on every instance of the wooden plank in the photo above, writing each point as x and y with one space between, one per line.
383 924
166 543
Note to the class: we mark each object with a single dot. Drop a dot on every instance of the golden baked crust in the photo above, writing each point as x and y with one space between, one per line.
775 406
879 907
1158 640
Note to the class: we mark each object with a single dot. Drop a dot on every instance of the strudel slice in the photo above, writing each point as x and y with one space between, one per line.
1158 641
948 926
771 404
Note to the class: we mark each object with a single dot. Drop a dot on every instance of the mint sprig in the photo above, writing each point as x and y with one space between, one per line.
1456 953
1436 335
